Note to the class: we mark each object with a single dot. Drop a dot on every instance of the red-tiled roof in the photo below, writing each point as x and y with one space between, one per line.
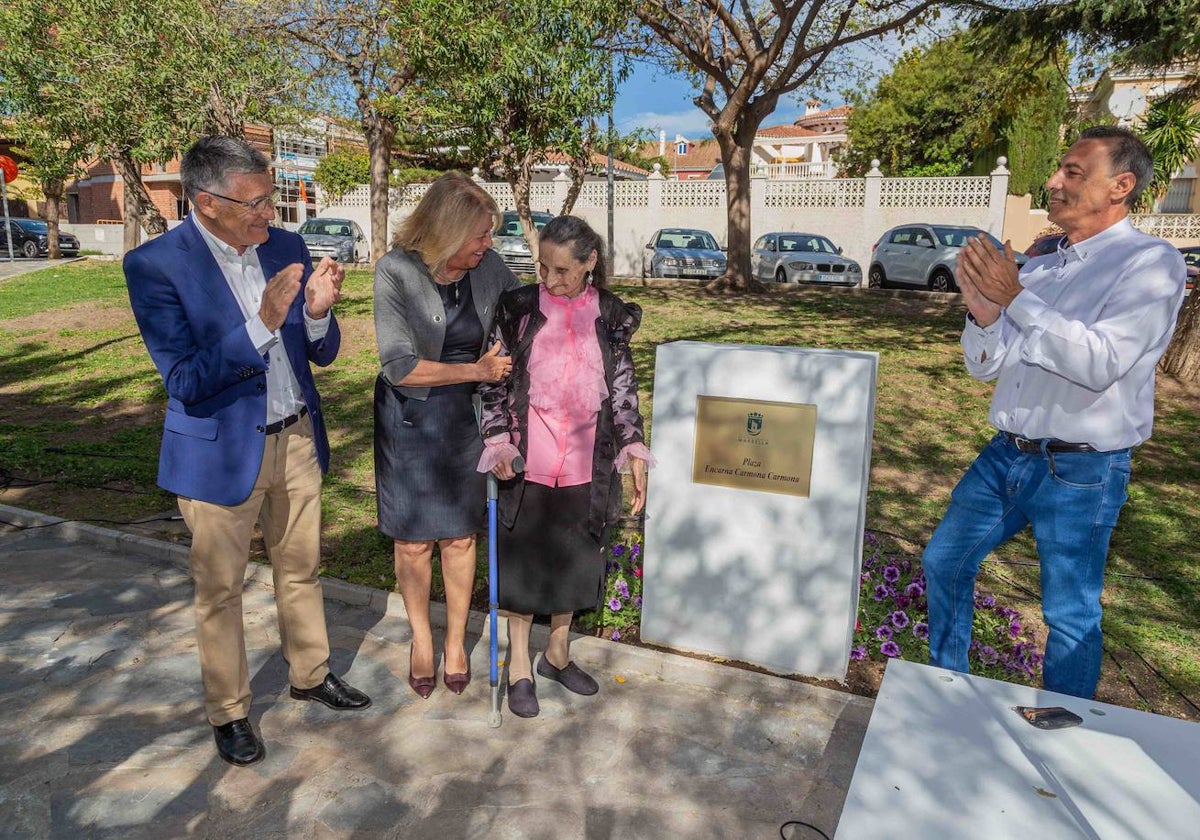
786 131
556 158
701 156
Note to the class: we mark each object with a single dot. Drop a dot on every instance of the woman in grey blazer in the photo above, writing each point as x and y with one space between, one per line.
435 297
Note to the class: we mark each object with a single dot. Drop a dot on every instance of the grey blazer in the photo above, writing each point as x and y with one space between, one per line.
410 321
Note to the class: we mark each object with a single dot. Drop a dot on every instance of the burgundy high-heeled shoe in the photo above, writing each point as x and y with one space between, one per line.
457 682
423 686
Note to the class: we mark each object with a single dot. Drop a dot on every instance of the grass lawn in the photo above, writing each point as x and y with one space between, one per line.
81 410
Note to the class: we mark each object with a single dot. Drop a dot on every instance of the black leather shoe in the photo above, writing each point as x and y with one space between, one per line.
573 678
237 743
333 693
522 699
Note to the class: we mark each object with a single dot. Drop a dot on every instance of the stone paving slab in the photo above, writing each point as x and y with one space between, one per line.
102 732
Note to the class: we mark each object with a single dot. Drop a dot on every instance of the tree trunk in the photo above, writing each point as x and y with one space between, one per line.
1182 358
52 188
519 179
379 131
139 209
736 158
579 165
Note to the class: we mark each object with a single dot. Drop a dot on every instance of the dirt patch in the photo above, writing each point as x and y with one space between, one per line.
79 316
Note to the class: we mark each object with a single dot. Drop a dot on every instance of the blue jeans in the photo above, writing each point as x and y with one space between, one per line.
1071 500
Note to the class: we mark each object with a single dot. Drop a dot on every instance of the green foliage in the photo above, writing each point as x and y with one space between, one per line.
341 171
134 80
510 80
1171 130
404 176
954 108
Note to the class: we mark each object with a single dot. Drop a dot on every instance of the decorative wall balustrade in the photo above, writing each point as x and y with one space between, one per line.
844 192
1168 225
970 191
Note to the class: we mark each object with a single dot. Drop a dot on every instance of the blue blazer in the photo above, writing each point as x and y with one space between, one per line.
214 431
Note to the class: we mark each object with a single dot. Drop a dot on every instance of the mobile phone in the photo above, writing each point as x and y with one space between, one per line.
1048 717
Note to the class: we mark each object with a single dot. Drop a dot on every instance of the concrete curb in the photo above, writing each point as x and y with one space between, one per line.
649 663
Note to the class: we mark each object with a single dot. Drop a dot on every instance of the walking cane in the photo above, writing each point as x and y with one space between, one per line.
518 465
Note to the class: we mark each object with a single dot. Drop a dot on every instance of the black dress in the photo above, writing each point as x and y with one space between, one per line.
426 451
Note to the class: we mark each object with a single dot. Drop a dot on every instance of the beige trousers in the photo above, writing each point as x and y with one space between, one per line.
286 502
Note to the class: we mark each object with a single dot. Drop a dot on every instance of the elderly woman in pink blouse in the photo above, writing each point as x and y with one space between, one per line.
570 410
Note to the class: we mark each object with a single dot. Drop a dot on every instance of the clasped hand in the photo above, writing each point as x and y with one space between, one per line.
987 278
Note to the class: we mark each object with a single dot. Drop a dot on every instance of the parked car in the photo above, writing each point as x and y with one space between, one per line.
1047 243
1191 256
31 237
509 242
922 256
803 258
683 252
341 239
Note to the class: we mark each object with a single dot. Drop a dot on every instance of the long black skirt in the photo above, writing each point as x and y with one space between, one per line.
426 454
548 562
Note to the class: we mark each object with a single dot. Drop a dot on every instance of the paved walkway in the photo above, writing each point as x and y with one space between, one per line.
24 265
102 733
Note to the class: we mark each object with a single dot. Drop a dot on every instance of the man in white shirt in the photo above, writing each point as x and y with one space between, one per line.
233 314
1072 340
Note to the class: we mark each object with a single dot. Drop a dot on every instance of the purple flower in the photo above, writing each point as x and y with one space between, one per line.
1014 628
858 653
618 550
988 655
635 551
915 589
986 600
881 592
869 538
903 601
614 604
891 573
889 649
616 635
899 619
1009 613
864 577
921 630
637 601
622 588
883 632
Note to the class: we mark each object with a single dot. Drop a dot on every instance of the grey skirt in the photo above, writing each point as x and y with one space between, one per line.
426 452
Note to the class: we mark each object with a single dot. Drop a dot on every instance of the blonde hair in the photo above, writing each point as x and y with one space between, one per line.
445 219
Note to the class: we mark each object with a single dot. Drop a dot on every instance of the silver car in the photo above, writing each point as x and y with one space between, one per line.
803 258
683 252
509 241
341 239
922 256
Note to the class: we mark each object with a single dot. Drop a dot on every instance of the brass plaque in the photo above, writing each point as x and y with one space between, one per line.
754 444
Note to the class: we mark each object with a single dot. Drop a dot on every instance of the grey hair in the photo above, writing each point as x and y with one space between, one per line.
1126 153
212 159
579 237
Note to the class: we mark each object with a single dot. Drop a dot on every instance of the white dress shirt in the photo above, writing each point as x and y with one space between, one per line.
244 274
1074 353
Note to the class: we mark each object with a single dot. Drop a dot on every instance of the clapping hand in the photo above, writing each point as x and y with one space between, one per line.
278 295
987 278
324 288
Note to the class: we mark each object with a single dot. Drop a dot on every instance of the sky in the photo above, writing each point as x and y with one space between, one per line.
652 98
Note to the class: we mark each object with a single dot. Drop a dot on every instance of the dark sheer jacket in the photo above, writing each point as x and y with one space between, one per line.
619 423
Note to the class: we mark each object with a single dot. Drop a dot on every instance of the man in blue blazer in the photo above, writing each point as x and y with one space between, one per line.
233 314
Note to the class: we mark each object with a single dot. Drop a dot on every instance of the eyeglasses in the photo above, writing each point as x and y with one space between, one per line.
254 206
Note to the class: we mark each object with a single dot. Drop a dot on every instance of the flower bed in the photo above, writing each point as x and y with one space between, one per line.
893 621
621 611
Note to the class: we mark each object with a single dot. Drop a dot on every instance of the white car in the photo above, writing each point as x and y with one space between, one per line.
803 258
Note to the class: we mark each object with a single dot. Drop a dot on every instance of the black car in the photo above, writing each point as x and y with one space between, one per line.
31 237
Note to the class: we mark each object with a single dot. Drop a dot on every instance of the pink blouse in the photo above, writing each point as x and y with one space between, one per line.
566 390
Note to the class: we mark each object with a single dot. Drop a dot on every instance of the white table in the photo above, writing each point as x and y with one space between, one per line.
946 757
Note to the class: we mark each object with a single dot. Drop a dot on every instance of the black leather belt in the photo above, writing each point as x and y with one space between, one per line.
1033 447
279 425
